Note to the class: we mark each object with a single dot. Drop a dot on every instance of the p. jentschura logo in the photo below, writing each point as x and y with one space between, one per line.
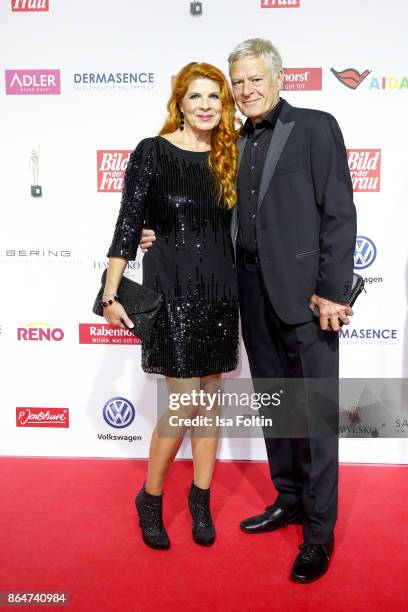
29 82
111 166
352 78
280 3
103 333
39 332
365 169
302 79
38 6
29 416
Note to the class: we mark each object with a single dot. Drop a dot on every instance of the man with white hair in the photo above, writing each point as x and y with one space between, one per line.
295 232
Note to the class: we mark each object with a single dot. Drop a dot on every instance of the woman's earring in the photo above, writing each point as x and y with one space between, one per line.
181 126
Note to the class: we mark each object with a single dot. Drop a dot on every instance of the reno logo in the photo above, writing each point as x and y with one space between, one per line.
39 332
302 79
19 6
42 417
33 82
280 3
365 169
111 166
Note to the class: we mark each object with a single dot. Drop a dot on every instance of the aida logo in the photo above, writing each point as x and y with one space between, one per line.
19 6
280 3
33 82
39 332
103 333
302 79
352 79
111 166
365 169
42 417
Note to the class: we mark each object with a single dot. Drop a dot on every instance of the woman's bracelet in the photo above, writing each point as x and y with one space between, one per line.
110 301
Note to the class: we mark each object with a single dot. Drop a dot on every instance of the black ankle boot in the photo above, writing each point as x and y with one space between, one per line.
199 504
149 508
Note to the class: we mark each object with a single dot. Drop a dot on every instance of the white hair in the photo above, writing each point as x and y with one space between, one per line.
258 47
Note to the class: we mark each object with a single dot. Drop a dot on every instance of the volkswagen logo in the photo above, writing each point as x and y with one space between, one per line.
118 412
365 253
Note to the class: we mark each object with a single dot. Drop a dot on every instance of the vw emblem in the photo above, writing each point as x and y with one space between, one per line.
365 253
118 412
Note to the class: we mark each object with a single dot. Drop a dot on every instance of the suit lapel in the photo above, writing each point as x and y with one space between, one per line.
279 138
241 142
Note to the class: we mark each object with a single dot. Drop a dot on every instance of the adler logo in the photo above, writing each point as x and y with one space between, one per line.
33 82
111 166
365 169
19 6
280 3
302 79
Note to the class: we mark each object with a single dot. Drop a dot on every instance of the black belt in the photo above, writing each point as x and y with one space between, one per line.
251 260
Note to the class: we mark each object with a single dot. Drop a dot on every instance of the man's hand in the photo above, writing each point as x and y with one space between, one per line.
331 312
147 240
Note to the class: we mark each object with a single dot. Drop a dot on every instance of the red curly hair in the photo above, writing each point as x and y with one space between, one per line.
223 158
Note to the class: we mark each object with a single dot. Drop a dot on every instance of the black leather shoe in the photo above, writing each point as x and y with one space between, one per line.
149 508
312 561
273 518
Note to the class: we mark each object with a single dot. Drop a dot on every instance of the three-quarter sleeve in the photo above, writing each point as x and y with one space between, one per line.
129 225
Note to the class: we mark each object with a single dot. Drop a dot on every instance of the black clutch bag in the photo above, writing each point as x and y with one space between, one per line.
356 288
141 304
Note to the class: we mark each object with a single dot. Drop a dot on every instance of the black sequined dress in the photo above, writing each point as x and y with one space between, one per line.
173 192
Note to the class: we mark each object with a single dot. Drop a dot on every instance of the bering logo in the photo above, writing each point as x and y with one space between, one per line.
365 169
118 412
38 332
42 417
29 5
103 333
302 79
280 3
365 253
111 166
29 82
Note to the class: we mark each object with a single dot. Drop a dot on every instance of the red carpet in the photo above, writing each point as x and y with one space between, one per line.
70 525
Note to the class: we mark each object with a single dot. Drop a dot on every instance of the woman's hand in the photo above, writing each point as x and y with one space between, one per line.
116 315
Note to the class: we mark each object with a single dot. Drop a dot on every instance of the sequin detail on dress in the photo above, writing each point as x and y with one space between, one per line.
191 263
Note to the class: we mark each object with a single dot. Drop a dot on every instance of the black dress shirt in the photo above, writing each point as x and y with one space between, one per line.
249 177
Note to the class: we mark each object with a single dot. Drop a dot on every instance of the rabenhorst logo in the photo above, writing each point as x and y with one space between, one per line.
365 169
111 166
365 253
29 82
280 3
42 417
352 78
29 5
39 332
87 81
103 333
369 335
302 79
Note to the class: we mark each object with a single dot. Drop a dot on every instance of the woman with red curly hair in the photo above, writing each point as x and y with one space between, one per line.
181 184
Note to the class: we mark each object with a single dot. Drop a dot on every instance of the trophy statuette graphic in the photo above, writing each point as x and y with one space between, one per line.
36 189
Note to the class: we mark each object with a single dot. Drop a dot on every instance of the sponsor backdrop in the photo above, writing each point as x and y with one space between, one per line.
82 83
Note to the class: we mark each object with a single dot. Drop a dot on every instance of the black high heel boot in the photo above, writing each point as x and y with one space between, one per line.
199 504
149 508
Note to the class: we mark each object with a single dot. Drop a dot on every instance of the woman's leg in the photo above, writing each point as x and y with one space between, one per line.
163 448
204 440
